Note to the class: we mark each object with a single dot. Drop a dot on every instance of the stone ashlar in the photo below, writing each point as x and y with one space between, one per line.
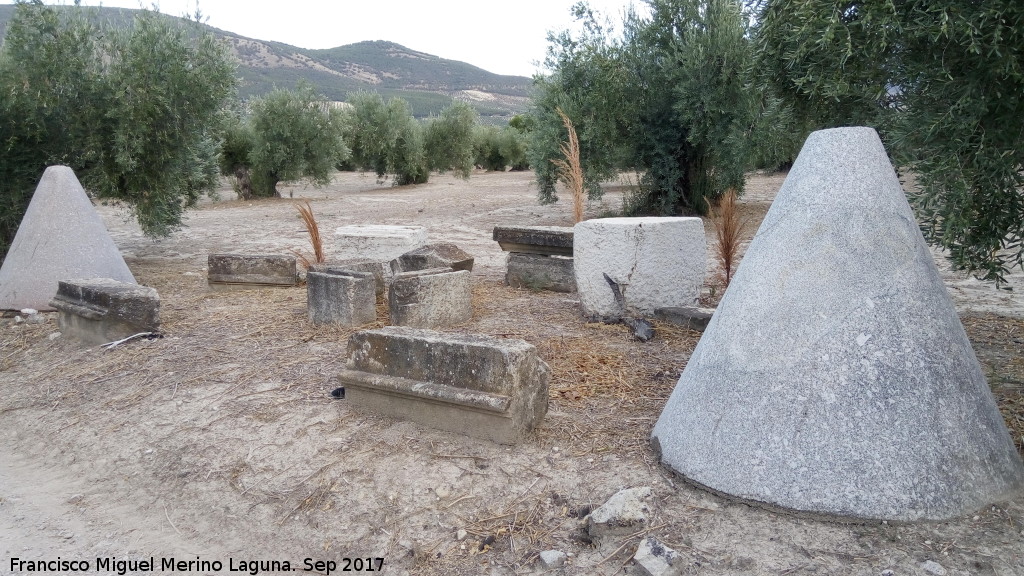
434 255
490 388
100 310
538 272
545 240
241 271
432 298
341 297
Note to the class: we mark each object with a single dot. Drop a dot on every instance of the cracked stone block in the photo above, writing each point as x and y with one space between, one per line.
433 298
100 310
485 387
633 266
341 297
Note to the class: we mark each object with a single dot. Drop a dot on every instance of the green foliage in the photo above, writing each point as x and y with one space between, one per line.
500 148
386 138
670 99
295 135
448 139
942 82
134 111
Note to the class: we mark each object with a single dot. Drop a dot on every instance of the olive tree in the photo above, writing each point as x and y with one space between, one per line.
385 138
669 97
135 111
942 81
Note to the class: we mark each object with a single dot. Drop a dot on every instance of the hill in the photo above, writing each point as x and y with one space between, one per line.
427 82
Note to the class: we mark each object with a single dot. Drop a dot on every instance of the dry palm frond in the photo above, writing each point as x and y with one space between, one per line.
728 231
570 171
306 213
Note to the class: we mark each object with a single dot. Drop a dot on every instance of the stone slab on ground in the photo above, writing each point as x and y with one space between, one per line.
538 272
653 262
432 298
376 242
241 271
61 237
341 297
490 388
433 255
690 318
835 376
99 310
545 240
356 265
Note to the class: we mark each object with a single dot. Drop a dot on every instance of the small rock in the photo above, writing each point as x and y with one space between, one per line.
442 492
18 319
75 499
887 573
932 567
655 559
553 558
461 535
29 311
54 336
623 514
36 319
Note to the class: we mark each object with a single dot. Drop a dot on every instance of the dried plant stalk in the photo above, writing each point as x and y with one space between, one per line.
570 171
306 212
728 232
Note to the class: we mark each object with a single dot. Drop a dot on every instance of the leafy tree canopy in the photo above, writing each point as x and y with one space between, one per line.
942 81
134 111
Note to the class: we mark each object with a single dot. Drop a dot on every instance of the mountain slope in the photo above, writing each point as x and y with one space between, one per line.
427 82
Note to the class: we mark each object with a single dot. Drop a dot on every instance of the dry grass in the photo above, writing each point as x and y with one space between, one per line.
570 171
729 228
306 213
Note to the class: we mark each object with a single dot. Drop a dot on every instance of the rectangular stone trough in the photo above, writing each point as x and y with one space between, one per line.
241 271
490 388
100 310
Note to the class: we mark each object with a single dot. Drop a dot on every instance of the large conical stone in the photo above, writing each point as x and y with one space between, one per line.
61 237
835 376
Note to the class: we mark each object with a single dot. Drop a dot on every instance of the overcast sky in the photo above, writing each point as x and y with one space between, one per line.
500 37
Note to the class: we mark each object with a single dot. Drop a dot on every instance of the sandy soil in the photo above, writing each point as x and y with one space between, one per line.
220 441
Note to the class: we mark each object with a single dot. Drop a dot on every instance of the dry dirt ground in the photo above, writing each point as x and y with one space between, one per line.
220 441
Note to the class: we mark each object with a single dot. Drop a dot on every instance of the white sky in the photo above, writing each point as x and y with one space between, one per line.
500 37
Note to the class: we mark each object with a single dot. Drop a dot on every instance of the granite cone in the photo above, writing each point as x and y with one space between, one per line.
61 237
835 376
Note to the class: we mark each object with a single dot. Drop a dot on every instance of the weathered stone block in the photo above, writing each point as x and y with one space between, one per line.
240 271
547 240
490 388
61 236
434 255
432 298
652 263
835 376
341 297
356 265
690 318
378 243
538 272
100 310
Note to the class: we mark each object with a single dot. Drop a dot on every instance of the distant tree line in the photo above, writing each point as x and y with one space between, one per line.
148 115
